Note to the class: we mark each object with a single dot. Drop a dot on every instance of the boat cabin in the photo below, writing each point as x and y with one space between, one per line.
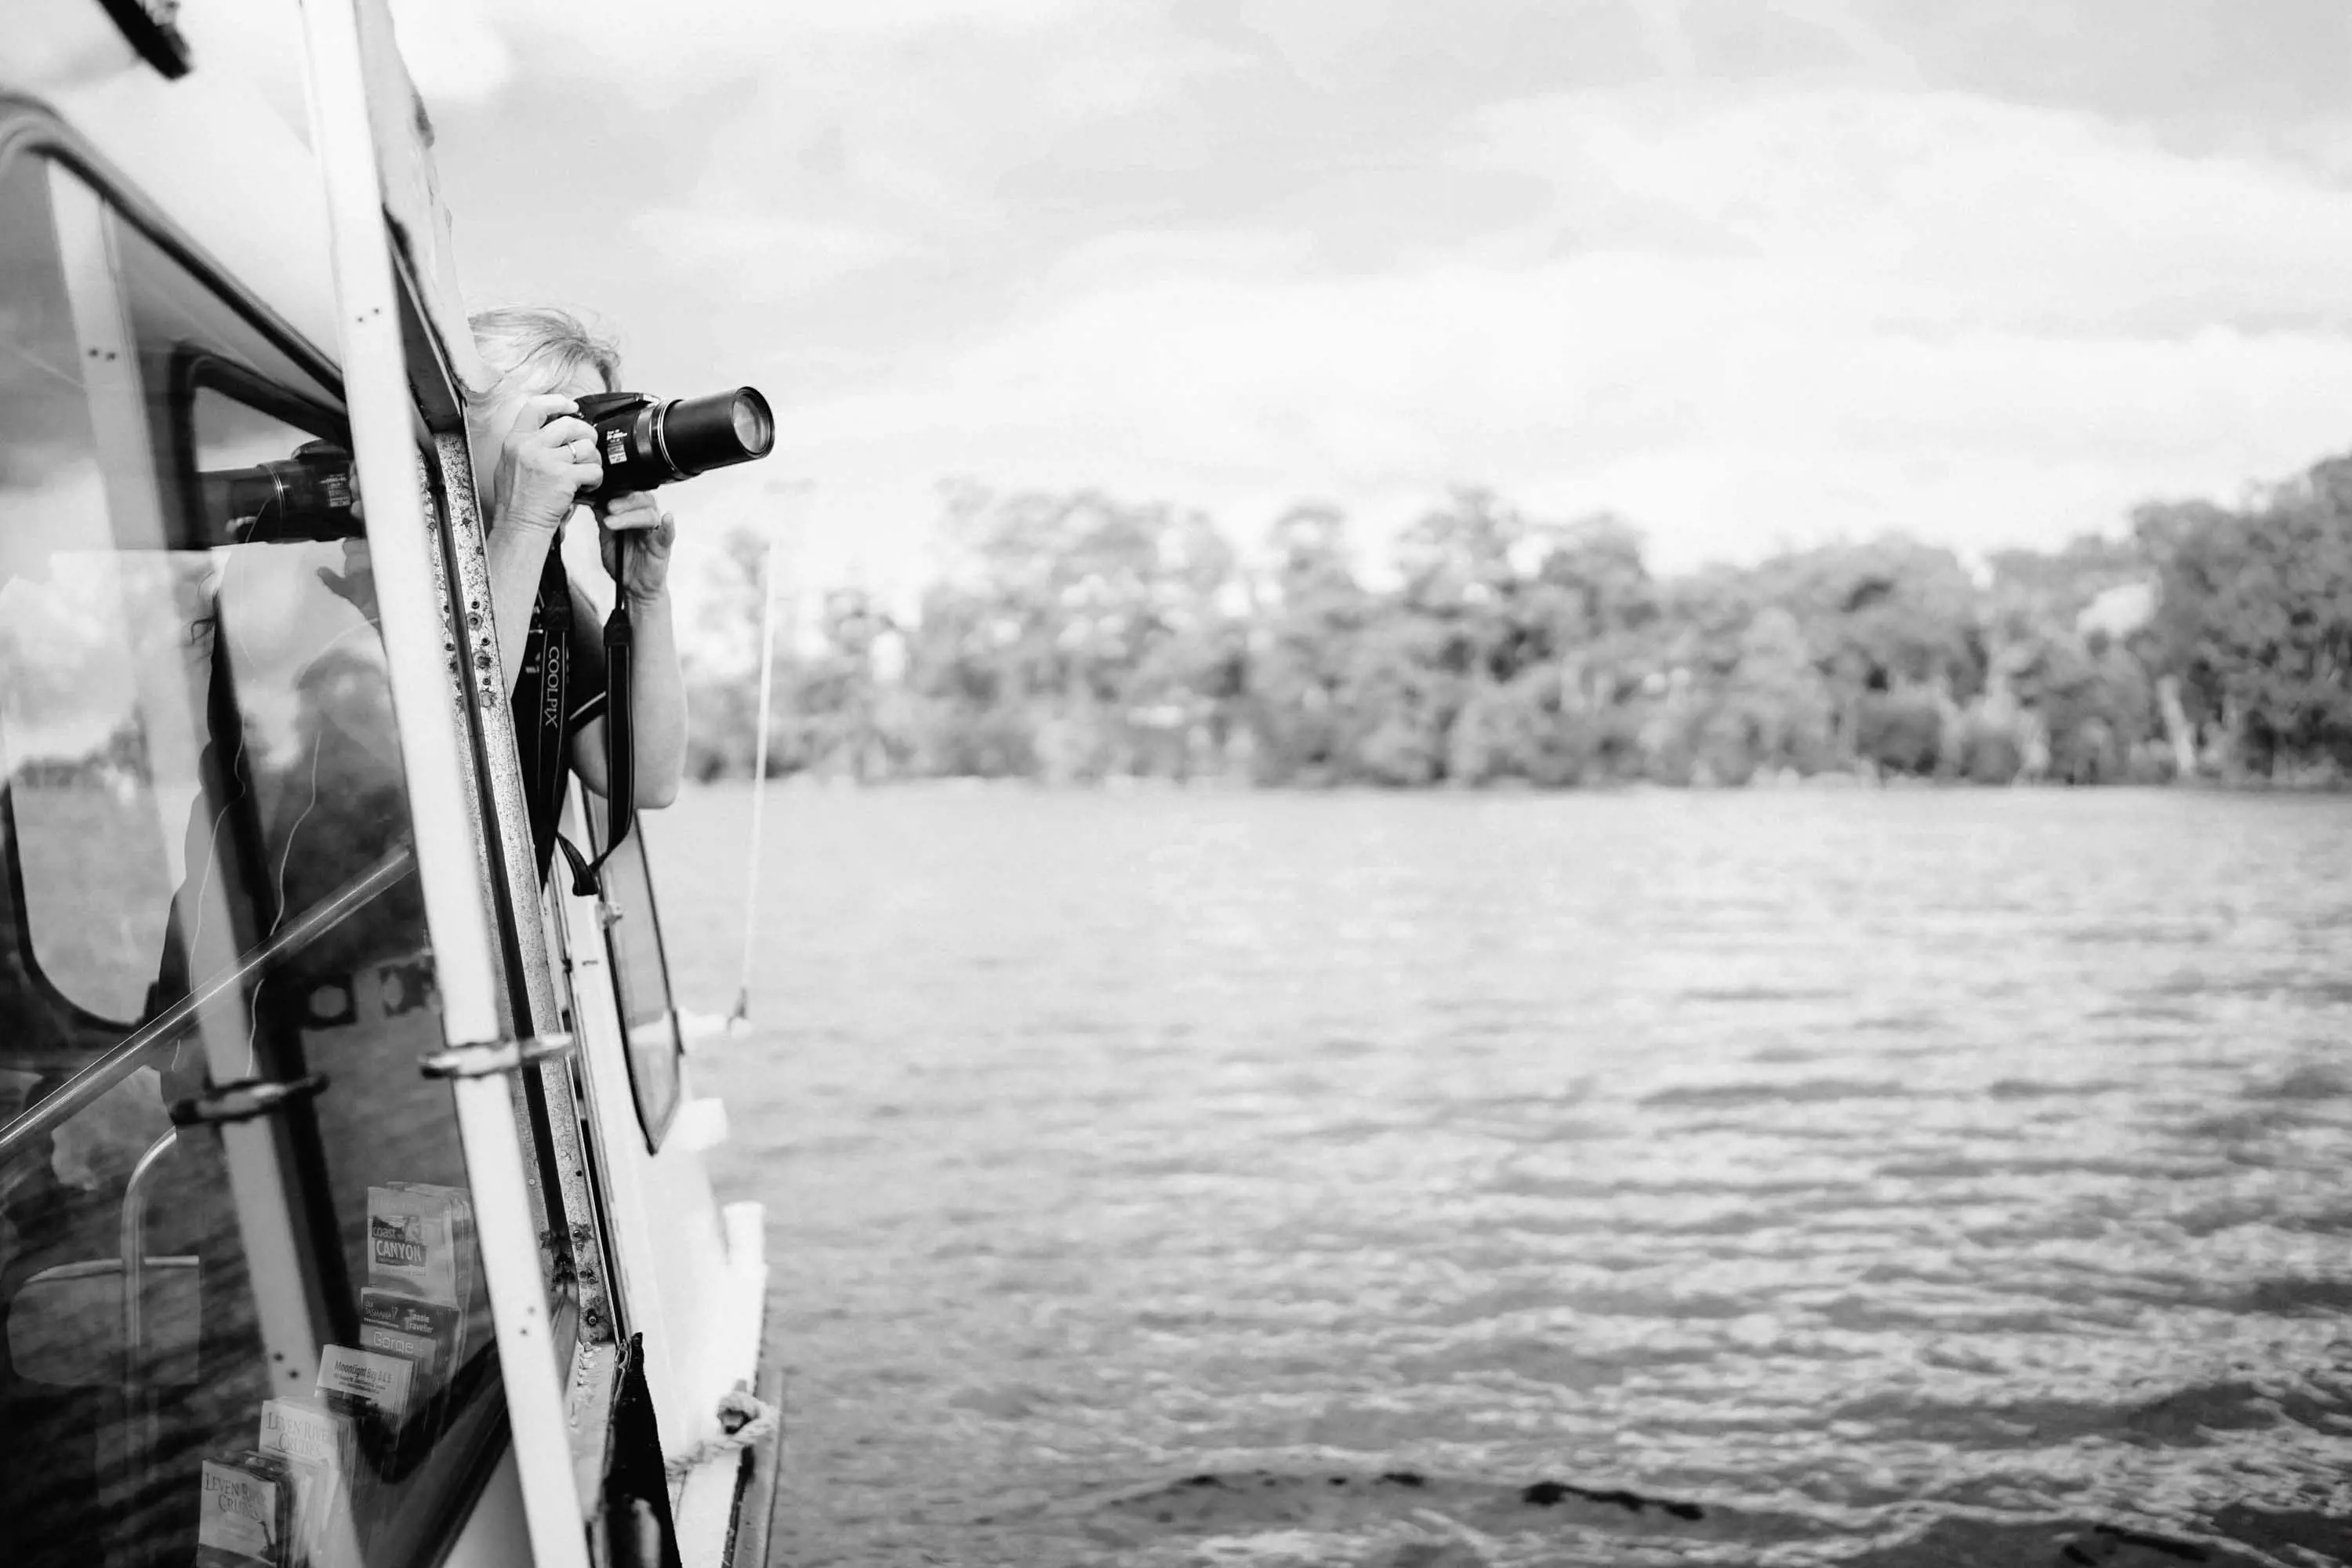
352 1204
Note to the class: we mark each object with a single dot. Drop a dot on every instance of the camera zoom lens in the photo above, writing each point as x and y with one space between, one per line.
697 434
752 427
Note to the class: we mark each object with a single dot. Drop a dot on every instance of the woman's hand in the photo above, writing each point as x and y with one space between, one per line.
649 530
549 457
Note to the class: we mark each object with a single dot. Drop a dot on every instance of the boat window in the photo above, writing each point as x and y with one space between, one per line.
210 881
640 980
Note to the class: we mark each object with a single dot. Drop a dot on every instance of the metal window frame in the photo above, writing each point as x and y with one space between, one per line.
561 1107
580 1195
617 931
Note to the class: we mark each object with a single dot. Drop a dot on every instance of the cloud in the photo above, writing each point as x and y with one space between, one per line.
455 54
756 257
1865 45
656 52
1988 324
1667 40
1600 391
1942 206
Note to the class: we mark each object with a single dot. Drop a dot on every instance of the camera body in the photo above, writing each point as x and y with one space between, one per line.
644 442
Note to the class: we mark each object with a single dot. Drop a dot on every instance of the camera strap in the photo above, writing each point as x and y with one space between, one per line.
620 744
543 711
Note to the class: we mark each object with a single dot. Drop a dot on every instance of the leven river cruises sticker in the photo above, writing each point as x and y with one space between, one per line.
244 1516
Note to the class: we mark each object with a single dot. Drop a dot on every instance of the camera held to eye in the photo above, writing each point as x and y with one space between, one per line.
644 442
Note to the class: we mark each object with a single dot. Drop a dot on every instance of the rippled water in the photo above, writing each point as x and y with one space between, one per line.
1898 1178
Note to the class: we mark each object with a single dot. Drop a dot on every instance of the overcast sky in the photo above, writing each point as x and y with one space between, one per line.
1748 272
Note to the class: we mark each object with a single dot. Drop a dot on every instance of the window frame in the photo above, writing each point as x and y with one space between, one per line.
27 127
614 922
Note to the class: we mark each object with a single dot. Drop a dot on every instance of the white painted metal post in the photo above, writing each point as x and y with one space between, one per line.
464 943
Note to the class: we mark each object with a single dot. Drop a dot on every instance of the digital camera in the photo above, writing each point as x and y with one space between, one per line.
646 442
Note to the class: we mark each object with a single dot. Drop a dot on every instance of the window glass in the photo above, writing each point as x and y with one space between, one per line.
96 878
210 879
640 980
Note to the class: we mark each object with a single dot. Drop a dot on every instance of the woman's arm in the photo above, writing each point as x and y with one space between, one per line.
547 458
517 554
656 684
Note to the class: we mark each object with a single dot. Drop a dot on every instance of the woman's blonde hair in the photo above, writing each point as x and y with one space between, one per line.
533 349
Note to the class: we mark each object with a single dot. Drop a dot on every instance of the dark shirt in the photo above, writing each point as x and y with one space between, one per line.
555 697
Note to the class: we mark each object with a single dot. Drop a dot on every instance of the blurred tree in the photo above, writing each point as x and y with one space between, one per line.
2255 617
1077 637
1307 614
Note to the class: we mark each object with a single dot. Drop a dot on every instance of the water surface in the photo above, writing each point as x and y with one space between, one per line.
1899 1178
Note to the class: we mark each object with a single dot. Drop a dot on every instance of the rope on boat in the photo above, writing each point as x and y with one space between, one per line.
744 1420
758 780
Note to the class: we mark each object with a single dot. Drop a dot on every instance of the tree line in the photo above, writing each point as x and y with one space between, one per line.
1075 638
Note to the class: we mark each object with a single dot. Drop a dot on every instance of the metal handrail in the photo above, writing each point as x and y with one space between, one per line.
82 1090
134 1228
138 1450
